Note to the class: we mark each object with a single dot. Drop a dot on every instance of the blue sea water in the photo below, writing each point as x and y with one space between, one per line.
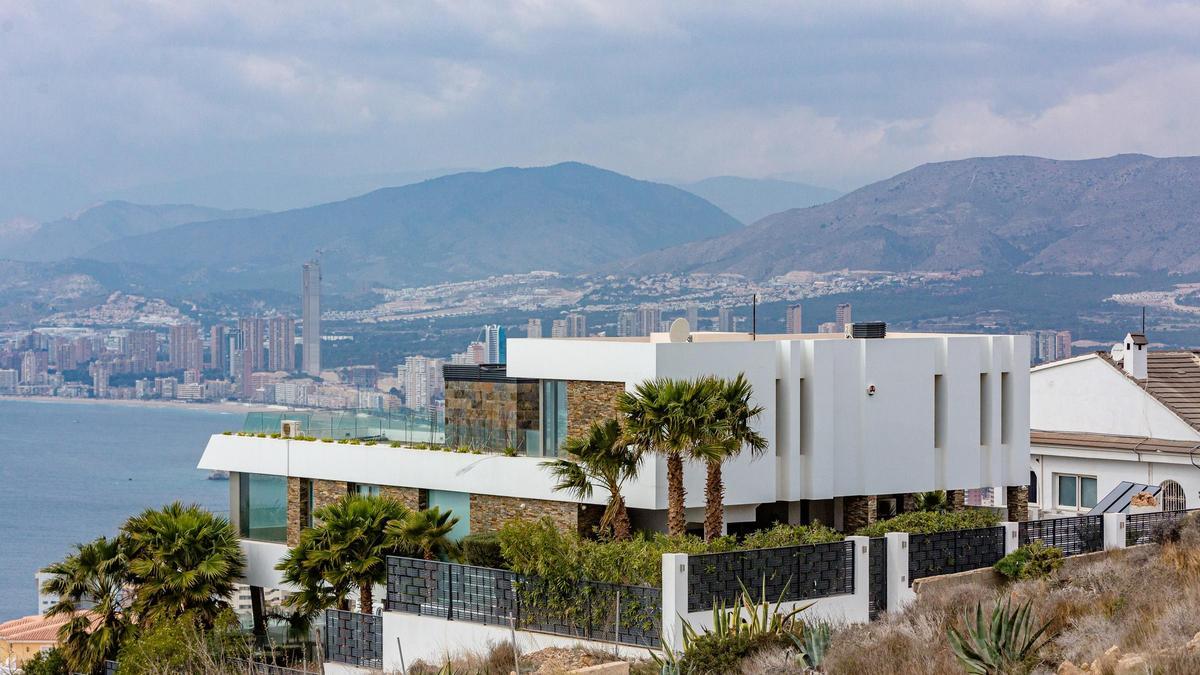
70 472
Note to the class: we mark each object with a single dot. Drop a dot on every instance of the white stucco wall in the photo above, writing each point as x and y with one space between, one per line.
1086 394
1110 468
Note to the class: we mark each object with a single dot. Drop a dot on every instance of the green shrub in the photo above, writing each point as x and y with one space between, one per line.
1032 561
275 435
482 550
223 433
791 535
926 522
49 662
396 444
326 440
369 443
510 451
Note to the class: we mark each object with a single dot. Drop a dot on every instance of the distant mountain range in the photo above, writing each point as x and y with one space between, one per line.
73 236
750 199
568 217
1129 213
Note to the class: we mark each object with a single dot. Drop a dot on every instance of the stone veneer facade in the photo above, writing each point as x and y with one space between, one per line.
494 415
1018 503
327 492
589 402
489 513
858 511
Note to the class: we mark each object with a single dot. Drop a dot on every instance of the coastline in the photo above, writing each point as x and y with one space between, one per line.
221 407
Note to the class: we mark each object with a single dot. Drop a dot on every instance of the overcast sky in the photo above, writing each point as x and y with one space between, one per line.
97 98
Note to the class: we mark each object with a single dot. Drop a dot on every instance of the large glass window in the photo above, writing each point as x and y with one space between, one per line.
1076 492
364 490
554 416
262 507
459 503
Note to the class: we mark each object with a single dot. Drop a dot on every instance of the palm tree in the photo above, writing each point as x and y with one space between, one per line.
671 418
96 573
349 548
601 458
730 431
428 531
182 559
934 500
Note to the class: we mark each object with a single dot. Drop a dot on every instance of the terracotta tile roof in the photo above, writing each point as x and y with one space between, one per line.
1075 439
1173 378
34 628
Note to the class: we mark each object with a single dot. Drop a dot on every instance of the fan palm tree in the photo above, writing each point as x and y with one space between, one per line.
182 559
95 574
671 418
601 458
934 500
428 531
730 431
348 548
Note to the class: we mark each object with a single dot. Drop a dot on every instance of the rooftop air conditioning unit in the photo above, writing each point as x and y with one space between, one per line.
867 330
290 428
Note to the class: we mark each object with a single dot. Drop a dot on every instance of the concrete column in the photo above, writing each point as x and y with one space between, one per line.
674 599
858 511
1012 537
1114 531
1017 498
899 592
860 606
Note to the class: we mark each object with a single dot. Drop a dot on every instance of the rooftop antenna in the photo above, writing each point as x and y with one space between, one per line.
1143 319
754 317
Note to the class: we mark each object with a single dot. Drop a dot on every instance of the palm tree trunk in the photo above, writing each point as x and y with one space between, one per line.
622 529
714 502
676 517
365 599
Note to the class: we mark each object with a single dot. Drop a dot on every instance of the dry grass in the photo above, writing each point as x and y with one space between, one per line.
1144 600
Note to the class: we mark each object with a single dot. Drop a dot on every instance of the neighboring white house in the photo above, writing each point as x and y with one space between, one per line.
854 426
1100 419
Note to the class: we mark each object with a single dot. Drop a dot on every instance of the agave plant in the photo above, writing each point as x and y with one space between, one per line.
813 643
1003 643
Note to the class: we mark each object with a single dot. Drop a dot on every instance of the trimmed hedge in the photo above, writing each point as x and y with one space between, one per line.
482 550
928 522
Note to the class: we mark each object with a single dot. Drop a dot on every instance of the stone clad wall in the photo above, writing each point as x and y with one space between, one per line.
589 402
489 513
490 414
409 497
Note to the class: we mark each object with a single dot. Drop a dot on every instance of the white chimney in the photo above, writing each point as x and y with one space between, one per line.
1134 359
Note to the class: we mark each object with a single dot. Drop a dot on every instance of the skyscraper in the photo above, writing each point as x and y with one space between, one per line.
1063 345
725 320
558 328
693 317
254 331
648 320
793 319
281 343
494 338
577 325
627 324
217 349
311 317
841 316
184 347
533 328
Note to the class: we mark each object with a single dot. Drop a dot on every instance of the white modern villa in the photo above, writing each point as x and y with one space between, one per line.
1131 415
855 425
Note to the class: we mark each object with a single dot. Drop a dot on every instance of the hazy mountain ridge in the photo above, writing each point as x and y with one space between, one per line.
566 217
69 237
751 199
1128 213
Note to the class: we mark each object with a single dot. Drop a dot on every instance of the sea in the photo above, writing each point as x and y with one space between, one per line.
70 472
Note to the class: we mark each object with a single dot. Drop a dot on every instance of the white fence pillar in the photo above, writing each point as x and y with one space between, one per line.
674 599
1012 537
899 593
1114 531
859 609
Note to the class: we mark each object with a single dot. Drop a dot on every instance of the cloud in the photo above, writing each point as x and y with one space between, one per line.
117 94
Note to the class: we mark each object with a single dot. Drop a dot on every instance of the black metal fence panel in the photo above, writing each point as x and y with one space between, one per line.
956 551
877 577
585 609
1082 534
259 668
1139 527
110 667
353 638
788 573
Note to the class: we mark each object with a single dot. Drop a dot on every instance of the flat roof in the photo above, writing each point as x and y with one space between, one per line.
713 336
